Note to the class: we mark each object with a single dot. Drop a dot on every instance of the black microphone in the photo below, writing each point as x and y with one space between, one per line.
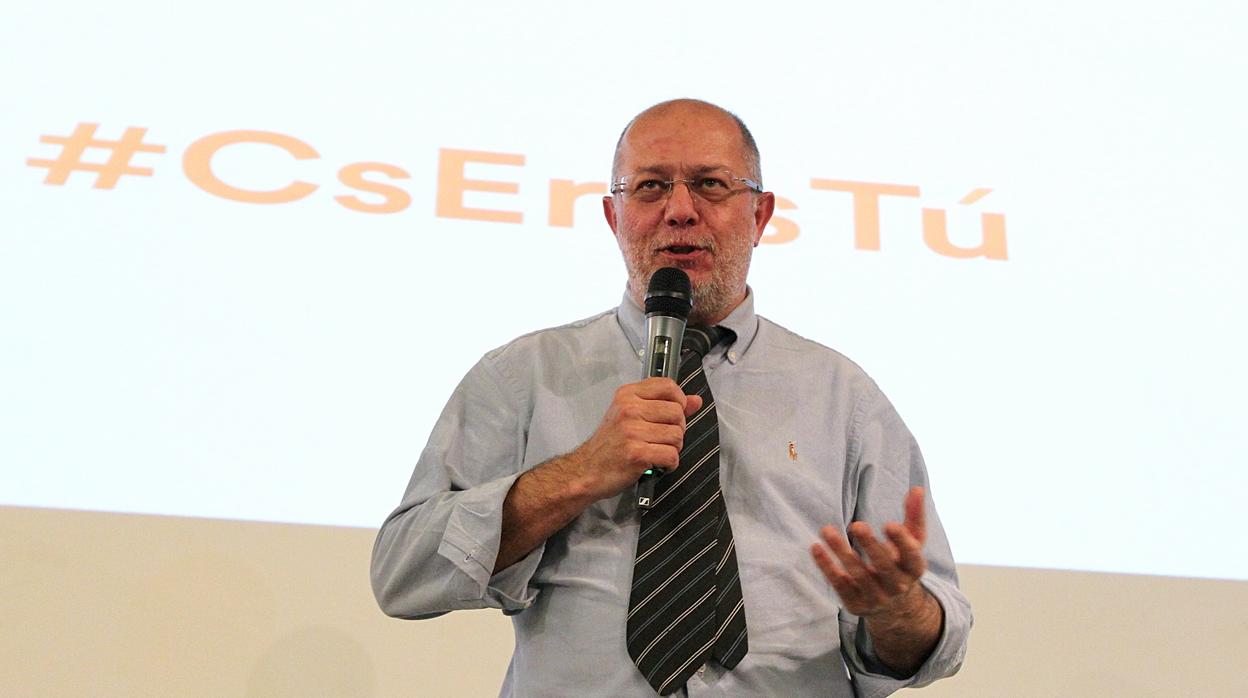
669 299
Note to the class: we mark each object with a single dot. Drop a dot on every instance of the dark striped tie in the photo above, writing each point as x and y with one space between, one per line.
686 605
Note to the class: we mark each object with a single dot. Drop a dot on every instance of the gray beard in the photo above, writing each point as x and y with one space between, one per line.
710 300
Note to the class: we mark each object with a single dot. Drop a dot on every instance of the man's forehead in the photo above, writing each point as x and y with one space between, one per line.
682 168
683 145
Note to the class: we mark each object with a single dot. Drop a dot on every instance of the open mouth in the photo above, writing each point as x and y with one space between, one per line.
681 249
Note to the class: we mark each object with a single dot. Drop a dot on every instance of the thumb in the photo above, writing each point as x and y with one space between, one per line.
693 403
916 514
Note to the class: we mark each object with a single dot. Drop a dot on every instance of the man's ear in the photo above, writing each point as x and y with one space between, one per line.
608 210
763 208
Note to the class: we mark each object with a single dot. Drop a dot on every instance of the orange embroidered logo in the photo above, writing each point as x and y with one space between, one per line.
792 451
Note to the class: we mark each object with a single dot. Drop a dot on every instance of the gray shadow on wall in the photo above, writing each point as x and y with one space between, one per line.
315 661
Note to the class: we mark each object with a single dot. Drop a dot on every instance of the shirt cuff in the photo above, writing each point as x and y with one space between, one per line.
471 542
874 679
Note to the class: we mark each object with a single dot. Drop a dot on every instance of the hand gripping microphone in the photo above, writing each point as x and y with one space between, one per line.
669 299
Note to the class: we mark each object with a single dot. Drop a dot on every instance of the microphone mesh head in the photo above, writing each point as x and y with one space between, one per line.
669 293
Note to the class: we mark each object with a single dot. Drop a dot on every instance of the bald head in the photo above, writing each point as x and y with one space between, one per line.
696 109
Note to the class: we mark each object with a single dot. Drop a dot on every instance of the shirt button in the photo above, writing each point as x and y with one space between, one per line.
732 355
701 670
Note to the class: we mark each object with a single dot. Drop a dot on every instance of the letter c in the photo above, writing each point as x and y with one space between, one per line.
197 164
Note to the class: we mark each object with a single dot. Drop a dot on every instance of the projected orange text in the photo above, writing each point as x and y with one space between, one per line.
375 181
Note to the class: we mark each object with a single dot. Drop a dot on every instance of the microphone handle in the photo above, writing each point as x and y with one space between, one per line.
664 335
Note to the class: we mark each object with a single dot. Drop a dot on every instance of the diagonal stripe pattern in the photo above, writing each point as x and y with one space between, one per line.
686 606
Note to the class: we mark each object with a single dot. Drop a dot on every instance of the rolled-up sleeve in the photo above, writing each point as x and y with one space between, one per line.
436 551
884 463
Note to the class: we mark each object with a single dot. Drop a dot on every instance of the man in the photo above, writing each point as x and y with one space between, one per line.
525 497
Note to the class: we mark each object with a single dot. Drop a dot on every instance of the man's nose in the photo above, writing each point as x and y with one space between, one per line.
681 210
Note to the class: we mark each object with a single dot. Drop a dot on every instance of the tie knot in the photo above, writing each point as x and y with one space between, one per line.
700 339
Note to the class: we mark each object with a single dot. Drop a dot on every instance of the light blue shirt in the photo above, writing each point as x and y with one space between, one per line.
807 439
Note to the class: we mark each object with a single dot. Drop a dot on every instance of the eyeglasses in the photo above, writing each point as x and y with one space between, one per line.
714 186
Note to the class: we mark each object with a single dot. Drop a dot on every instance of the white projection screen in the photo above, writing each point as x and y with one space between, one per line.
248 249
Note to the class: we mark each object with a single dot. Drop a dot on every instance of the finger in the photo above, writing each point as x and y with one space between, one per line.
660 412
665 389
911 550
829 564
662 434
846 555
883 556
916 514
659 389
658 455
832 571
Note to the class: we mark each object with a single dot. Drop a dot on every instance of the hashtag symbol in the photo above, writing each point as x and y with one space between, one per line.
76 144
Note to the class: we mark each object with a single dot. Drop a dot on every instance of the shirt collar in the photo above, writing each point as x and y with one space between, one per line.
741 320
